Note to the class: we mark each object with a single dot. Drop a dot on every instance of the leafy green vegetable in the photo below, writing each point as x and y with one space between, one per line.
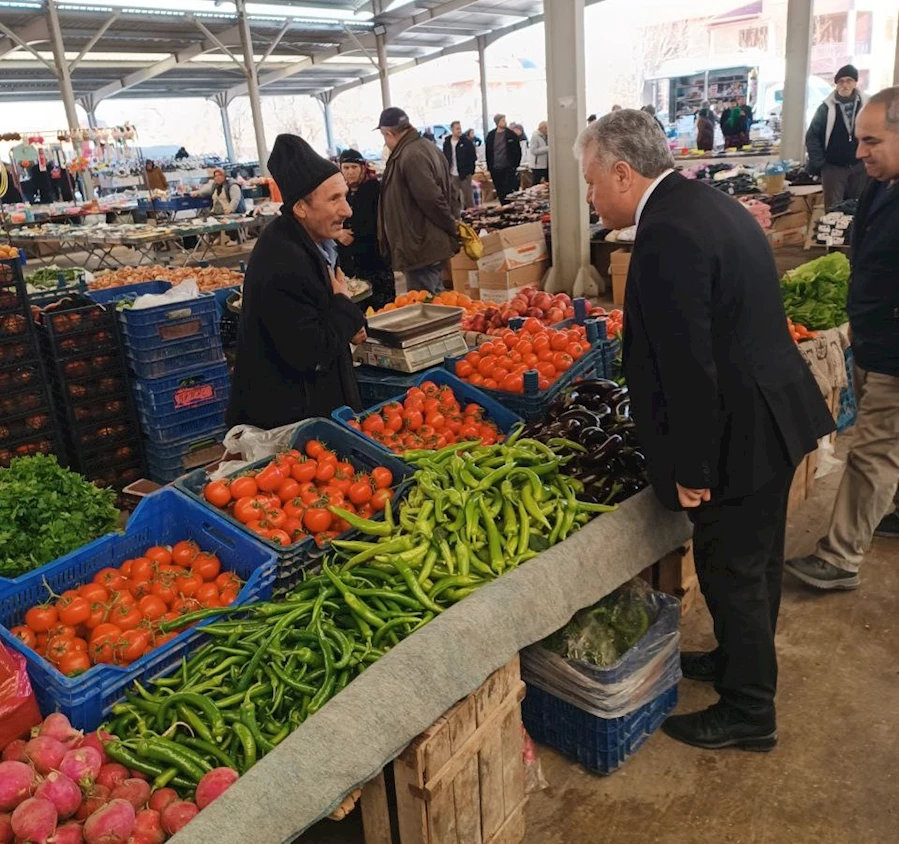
815 294
47 511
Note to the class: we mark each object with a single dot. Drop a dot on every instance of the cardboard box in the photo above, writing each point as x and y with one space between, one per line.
793 220
790 237
502 286
509 249
467 282
620 263
461 261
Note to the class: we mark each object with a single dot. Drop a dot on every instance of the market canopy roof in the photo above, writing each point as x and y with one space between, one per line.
191 48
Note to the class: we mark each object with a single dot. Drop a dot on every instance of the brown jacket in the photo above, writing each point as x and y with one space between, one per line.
156 179
415 225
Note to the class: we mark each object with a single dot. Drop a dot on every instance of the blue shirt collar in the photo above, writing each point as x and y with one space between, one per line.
328 249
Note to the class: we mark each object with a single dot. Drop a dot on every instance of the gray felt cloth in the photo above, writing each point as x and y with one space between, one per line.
367 725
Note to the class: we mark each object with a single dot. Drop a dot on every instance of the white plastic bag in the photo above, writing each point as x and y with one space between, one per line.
828 462
253 443
183 292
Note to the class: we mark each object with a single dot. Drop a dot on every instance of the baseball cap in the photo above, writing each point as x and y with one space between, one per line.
391 118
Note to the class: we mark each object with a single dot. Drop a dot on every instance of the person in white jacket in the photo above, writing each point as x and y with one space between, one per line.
540 154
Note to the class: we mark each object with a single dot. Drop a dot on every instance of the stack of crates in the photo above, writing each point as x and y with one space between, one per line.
180 379
27 424
89 384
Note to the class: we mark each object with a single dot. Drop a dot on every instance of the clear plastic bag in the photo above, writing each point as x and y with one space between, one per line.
646 670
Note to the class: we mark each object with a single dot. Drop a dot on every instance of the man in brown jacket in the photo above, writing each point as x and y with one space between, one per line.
416 227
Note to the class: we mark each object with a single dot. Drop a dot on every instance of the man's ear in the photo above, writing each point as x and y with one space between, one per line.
299 209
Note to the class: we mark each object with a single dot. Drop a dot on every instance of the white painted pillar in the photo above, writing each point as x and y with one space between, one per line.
92 119
482 74
383 75
571 271
325 98
799 41
246 40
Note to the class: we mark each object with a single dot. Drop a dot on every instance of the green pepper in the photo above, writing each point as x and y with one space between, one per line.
494 545
196 701
368 526
248 746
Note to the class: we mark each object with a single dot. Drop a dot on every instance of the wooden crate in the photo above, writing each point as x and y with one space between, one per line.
675 574
803 483
462 780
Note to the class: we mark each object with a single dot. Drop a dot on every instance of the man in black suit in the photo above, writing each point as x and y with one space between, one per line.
503 148
725 406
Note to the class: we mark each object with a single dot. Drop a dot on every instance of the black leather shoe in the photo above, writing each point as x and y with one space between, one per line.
720 726
699 665
889 526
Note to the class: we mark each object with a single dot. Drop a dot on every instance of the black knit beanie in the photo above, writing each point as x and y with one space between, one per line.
297 168
847 70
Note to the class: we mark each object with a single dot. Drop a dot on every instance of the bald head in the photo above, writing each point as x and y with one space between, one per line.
877 129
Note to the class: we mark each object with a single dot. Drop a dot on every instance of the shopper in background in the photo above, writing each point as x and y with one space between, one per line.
297 322
733 125
748 119
416 226
867 502
832 143
226 194
705 130
540 153
357 243
156 179
473 138
503 157
181 154
651 110
461 157
724 404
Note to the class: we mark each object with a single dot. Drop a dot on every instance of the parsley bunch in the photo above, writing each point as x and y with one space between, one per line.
47 511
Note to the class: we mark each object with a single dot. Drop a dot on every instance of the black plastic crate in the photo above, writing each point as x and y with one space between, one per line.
15 351
107 409
31 424
47 443
26 399
106 434
92 388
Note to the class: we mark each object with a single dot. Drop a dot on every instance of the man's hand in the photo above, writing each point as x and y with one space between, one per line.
690 498
345 238
359 337
339 283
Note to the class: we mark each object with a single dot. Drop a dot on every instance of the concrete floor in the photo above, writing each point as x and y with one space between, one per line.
832 779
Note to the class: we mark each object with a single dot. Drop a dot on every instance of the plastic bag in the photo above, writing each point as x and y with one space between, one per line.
183 292
18 708
255 443
828 462
533 770
646 670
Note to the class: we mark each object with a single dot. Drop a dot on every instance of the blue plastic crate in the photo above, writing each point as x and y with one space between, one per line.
166 462
600 744
377 385
504 418
348 444
128 292
174 357
172 427
150 328
186 392
161 519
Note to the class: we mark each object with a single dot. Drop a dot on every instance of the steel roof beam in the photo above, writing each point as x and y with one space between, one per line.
95 39
35 31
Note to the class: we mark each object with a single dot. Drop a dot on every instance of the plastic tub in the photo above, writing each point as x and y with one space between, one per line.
162 518
184 392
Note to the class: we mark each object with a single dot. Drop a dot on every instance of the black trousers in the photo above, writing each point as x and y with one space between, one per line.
505 180
738 545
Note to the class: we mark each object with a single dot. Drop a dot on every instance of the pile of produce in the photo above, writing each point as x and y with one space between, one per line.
207 278
815 293
428 417
449 297
48 277
800 332
590 424
528 302
501 363
8 252
473 513
603 633
47 511
614 320
62 787
115 618
287 500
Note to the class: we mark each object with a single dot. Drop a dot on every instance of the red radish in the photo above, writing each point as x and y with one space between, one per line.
161 798
81 765
59 727
34 820
68 833
98 798
135 791
137 775
17 782
7 836
110 825
61 792
94 740
148 826
45 753
112 775
214 784
177 815
15 751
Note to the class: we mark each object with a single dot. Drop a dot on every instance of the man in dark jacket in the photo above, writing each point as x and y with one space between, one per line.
297 323
461 158
867 502
832 143
724 404
416 226
357 243
503 148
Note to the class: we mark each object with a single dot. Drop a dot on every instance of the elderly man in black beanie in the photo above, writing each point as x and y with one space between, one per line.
831 142
297 323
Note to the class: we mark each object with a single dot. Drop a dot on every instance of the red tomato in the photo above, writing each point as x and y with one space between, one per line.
188 584
314 448
208 566
317 520
41 618
360 492
279 537
269 479
288 489
243 487
74 611
142 568
184 552
152 607
217 493
25 635
132 645
380 498
304 471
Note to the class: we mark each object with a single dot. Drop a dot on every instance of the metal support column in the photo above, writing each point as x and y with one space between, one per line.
799 40
221 100
246 41
571 271
482 73
65 84
325 98
377 7
92 119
